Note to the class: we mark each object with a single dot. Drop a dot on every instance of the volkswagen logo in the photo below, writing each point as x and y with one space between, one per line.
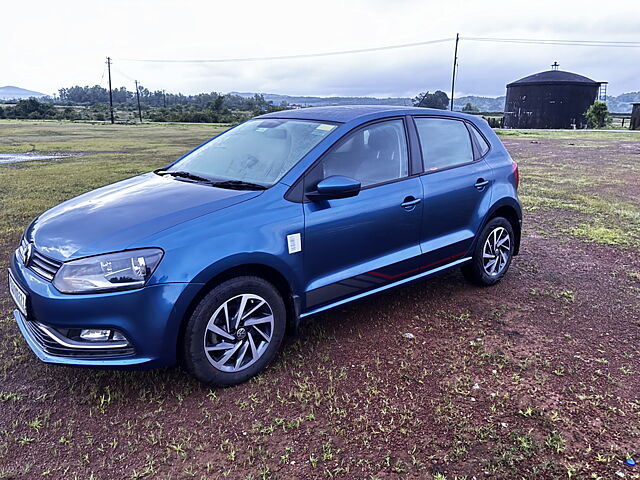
241 333
27 253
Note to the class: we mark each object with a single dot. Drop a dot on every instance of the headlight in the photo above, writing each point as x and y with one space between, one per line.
113 271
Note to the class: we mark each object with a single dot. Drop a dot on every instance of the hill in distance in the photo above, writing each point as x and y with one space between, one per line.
618 104
17 93
485 104
307 101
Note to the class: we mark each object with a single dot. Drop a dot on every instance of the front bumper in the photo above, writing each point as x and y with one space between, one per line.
149 318
49 351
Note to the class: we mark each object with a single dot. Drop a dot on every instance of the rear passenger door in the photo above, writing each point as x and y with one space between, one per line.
456 184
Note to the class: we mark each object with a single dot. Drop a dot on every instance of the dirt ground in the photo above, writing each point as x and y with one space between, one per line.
537 377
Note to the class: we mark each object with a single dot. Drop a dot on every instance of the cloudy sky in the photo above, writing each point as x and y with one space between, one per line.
47 45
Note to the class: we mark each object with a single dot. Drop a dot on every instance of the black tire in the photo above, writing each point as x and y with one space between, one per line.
200 364
475 271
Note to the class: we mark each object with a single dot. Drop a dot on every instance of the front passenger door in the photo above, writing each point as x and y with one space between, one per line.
346 239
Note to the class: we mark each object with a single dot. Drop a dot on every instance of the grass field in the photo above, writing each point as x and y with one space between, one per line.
537 377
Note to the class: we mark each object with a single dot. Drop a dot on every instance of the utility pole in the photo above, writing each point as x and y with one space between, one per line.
110 94
164 99
455 64
138 98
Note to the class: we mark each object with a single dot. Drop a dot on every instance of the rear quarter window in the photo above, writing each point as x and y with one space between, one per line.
482 143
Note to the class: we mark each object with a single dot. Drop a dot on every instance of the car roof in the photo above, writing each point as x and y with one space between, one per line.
347 113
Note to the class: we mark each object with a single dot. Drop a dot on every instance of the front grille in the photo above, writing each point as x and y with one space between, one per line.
42 265
51 346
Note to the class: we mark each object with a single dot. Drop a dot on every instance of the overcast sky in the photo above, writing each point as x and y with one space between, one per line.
47 45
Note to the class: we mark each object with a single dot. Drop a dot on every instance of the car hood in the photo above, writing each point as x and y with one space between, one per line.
117 216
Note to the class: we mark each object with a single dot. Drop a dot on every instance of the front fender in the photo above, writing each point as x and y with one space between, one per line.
260 259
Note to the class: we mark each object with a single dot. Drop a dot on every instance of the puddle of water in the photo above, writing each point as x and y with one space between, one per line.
25 157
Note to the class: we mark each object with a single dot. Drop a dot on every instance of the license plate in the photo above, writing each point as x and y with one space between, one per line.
19 297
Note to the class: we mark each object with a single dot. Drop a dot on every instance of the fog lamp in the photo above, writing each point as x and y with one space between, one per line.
98 335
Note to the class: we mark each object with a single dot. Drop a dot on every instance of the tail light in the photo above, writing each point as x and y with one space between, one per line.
514 165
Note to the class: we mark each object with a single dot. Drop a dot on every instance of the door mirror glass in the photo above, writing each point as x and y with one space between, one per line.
335 186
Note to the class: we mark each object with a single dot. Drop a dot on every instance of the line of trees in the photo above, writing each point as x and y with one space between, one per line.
92 103
86 95
35 110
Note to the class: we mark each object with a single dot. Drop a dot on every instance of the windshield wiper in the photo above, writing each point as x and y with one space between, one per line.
238 185
235 184
184 174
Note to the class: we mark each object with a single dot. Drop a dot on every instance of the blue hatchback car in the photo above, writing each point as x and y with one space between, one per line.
209 260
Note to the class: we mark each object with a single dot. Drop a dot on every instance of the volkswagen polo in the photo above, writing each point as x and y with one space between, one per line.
210 259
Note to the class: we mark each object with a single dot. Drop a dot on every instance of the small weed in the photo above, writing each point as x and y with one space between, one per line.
527 412
555 442
10 397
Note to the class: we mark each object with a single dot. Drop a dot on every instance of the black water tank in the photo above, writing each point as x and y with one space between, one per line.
635 117
551 99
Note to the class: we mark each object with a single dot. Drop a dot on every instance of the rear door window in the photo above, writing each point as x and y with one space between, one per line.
445 143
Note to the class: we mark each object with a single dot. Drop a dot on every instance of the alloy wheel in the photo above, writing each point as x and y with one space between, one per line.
496 251
238 332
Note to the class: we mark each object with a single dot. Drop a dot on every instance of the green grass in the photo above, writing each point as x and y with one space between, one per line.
109 153
571 134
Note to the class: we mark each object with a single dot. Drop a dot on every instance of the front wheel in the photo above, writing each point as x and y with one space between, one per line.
493 253
235 331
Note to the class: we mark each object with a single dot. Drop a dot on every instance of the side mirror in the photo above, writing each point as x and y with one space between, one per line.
336 186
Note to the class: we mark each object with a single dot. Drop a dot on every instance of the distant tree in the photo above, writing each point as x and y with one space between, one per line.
32 108
598 115
218 103
69 113
438 100
469 108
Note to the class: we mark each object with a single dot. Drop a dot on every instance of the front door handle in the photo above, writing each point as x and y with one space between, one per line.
481 183
410 202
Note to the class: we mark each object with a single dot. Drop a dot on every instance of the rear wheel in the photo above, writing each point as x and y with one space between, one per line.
493 253
235 331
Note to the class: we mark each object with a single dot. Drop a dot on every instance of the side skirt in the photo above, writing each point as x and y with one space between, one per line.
385 287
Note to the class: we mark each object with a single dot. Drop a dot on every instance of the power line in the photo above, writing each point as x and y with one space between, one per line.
537 41
288 57
123 74
104 69
540 41
534 41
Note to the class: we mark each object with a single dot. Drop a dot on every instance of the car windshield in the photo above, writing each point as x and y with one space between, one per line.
256 152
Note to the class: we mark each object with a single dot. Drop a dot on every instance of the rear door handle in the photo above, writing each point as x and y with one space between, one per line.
410 202
481 183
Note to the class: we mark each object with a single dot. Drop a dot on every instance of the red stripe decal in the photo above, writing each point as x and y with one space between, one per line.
393 277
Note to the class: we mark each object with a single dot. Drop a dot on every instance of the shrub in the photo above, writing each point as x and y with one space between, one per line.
598 115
